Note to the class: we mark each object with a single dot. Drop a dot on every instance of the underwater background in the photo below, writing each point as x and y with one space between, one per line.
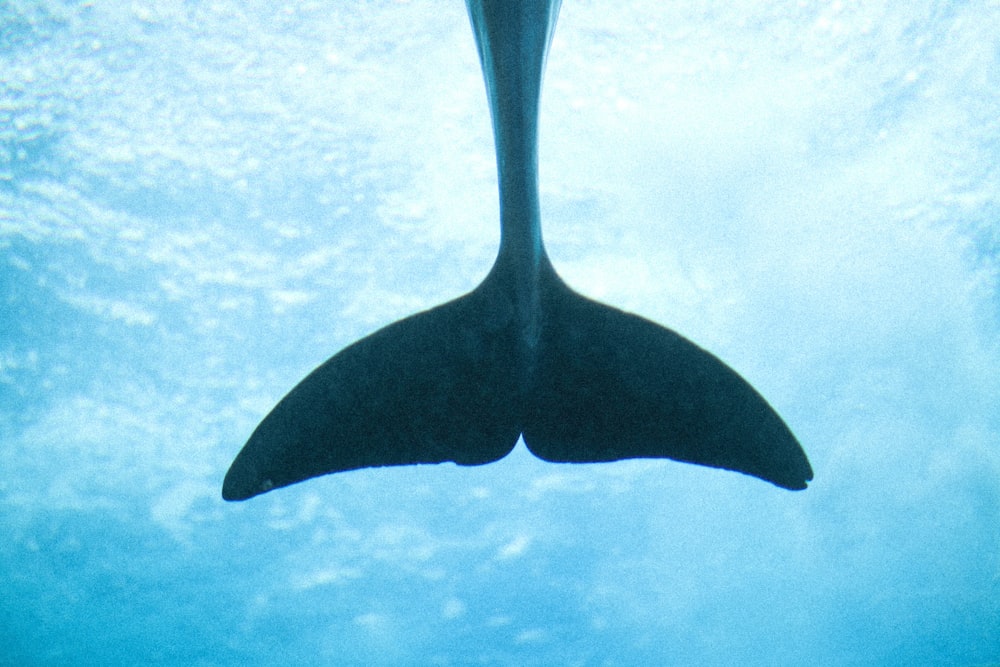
202 201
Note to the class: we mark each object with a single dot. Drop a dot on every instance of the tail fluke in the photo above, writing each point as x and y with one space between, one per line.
426 389
458 383
611 385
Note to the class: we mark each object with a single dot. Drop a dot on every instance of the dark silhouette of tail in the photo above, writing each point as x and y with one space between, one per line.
459 383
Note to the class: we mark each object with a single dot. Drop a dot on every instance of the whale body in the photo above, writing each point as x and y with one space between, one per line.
522 355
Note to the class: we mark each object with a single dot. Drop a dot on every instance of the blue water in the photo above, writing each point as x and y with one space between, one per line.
199 202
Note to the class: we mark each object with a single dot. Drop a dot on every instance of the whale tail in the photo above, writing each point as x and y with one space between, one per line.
453 384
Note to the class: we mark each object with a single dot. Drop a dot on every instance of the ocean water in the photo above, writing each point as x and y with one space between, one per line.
201 201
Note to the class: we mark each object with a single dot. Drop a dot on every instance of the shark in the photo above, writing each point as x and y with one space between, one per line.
522 356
